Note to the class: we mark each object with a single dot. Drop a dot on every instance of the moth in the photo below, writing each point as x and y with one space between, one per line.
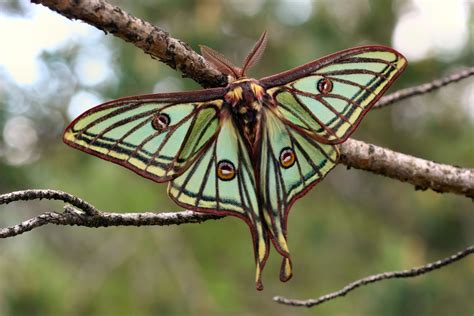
249 149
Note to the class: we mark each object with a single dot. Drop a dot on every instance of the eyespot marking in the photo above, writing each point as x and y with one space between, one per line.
225 170
324 85
287 157
160 121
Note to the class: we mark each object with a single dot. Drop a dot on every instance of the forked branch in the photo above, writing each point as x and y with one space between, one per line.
80 213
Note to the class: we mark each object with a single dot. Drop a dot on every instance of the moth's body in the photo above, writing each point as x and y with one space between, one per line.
250 149
247 98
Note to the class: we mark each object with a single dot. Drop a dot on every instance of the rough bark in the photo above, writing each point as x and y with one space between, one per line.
421 173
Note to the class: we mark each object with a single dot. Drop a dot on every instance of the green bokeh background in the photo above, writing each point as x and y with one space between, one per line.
351 225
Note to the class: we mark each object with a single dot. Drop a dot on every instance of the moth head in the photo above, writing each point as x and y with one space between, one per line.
225 66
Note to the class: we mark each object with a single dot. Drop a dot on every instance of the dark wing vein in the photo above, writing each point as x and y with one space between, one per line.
121 122
214 154
358 60
189 176
129 132
323 126
352 72
204 181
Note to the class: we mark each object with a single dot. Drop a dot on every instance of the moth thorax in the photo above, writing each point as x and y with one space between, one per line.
246 97
244 91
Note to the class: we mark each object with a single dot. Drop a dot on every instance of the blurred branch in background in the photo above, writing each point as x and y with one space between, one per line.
424 88
154 41
376 278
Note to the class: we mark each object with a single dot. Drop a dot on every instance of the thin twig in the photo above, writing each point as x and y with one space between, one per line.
85 214
47 194
423 88
376 278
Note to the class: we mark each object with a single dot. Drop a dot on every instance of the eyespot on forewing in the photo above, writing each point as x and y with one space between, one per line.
160 121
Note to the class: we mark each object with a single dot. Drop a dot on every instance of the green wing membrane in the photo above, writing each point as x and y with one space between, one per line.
328 98
127 132
282 182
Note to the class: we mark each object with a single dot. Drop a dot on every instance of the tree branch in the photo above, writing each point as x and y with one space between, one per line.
423 88
376 278
423 174
85 214
151 39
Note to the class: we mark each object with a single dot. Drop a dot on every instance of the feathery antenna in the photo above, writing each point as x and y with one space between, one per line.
255 54
220 62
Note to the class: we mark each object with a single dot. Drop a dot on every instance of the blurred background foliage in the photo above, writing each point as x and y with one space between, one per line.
352 225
